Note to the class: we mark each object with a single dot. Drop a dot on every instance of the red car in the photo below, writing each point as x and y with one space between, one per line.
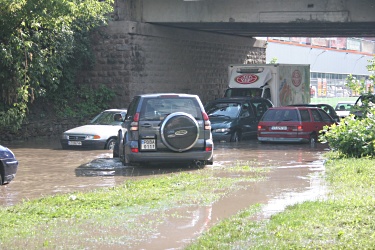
292 124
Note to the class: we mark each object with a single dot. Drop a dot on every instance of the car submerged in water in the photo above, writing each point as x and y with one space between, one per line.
165 128
298 124
236 118
8 165
100 133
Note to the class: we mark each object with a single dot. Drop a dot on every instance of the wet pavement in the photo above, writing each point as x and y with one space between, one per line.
45 169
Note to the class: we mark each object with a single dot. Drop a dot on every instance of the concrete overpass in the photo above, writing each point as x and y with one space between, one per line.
257 18
186 46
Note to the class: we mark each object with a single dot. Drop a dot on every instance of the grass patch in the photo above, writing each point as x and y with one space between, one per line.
49 221
344 220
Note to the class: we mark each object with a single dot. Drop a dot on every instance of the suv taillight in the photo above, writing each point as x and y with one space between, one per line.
207 123
134 124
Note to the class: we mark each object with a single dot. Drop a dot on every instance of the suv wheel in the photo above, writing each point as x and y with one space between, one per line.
179 131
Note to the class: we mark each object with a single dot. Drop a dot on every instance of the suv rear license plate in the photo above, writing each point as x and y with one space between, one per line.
278 128
148 144
75 143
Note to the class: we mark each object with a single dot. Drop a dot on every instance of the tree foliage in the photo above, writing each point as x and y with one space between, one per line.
39 40
355 136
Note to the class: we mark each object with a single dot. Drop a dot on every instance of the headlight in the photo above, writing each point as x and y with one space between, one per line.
64 136
92 137
221 130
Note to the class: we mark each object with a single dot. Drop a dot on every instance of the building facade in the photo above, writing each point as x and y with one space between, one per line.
331 61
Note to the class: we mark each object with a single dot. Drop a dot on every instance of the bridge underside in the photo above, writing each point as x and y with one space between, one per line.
254 18
312 29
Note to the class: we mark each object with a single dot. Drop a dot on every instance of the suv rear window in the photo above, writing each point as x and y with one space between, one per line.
158 109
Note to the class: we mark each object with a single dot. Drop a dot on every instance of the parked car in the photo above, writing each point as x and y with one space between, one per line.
343 108
166 127
233 119
326 107
293 124
100 133
359 109
8 165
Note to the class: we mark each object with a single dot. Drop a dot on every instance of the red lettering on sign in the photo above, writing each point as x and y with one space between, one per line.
246 79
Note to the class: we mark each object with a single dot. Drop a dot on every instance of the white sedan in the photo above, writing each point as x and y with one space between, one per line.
100 133
343 108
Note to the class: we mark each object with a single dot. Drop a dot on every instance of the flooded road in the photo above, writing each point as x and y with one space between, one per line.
45 169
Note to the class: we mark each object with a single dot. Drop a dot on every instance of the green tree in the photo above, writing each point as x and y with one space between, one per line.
355 136
39 40
365 89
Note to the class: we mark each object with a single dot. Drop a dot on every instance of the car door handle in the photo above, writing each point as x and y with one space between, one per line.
146 125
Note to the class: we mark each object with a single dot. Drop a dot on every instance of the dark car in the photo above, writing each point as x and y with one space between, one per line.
233 119
362 105
326 107
100 133
8 165
166 127
293 124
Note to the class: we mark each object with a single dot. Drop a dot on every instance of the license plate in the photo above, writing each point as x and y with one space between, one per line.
75 143
147 144
278 128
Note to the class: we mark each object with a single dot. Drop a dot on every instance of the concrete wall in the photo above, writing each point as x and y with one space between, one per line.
136 58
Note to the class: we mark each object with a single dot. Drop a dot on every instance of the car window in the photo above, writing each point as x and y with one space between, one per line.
325 116
159 108
246 110
281 115
316 115
343 106
305 115
104 118
261 107
230 110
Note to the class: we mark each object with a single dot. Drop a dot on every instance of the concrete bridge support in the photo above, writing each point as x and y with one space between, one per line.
135 58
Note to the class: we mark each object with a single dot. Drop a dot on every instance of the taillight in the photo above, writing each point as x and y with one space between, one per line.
136 117
207 123
134 150
261 128
208 149
134 124
299 128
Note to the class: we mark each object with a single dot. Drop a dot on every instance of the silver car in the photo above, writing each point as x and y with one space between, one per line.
100 133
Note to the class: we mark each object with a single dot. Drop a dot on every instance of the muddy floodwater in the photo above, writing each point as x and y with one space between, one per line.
295 176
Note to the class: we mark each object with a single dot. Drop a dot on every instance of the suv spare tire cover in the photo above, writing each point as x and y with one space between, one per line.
179 131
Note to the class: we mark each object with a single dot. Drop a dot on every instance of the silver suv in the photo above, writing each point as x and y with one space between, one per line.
167 127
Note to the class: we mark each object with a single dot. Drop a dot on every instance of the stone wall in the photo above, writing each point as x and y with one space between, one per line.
135 58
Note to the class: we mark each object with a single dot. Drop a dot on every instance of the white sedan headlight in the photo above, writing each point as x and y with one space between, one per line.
92 137
221 130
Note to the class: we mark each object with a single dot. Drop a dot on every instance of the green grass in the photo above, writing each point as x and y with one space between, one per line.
332 100
78 218
344 220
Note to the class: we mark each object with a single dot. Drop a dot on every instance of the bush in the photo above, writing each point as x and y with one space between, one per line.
352 137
